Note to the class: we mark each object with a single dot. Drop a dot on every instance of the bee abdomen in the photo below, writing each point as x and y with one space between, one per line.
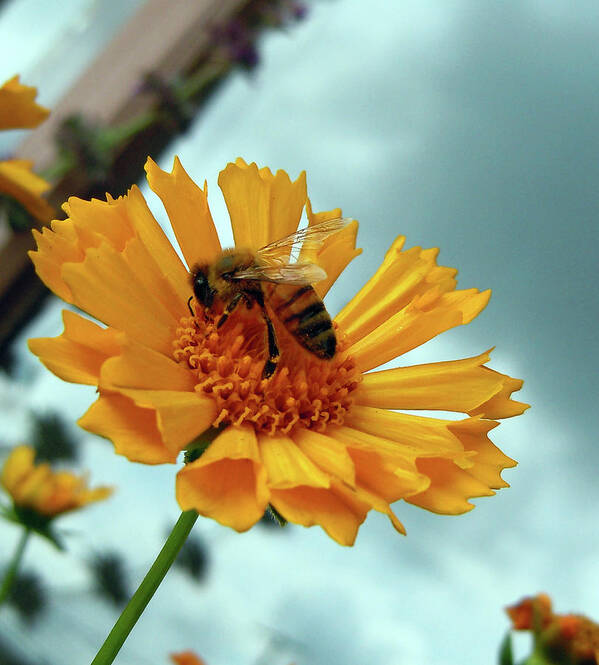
305 317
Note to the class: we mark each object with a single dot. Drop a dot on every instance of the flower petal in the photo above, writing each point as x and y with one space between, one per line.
382 467
78 354
263 207
18 109
127 228
489 461
424 437
16 467
33 486
327 453
381 506
401 277
180 416
450 488
458 385
56 246
336 252
105 286
287 466
18 181
187 207
424 318
228 482
500 405
65 492
338 511
137 366
133 430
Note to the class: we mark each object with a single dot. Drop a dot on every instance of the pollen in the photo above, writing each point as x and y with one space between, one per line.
304 391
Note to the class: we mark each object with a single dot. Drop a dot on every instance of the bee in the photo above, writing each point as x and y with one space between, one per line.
279 280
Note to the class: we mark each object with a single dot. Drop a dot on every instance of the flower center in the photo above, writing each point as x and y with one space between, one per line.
229 362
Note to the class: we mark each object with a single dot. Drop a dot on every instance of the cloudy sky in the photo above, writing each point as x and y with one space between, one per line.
466 125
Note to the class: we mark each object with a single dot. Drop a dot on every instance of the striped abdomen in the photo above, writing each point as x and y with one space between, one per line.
303 314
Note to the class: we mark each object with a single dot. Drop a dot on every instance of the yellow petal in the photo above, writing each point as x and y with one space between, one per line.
263 207
78 354
287 466
500 405
327 453
18 109
137 366
16 468
228 482
180 416
402 276
19 182
128 229
337 511
56 246
96 221
381 506
105 286
157 244
133 430
34 486
488 461
187 208
426 437
388 480
457 385
450 488
150 274
423 319
336 252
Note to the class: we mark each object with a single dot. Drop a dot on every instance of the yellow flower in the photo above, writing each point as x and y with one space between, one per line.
18 110
320 440
45 492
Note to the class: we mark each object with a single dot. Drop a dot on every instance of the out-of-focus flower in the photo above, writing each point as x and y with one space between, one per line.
186 658
17 181
47 493
559 639
18 109
320 440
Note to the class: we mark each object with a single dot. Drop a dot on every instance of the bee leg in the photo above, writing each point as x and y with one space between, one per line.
189 306
273 348
230 307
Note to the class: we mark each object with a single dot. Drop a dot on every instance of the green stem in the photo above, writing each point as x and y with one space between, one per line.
144 593
11 573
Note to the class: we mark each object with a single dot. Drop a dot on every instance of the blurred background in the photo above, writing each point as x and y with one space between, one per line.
466 125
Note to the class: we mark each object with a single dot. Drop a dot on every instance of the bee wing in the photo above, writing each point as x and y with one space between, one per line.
284 273
308 239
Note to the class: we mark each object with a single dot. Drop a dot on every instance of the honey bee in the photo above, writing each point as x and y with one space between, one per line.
278 279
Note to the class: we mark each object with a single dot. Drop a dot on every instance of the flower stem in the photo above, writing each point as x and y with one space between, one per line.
13 567
146 589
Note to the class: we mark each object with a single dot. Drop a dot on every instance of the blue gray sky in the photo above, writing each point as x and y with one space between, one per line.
466 125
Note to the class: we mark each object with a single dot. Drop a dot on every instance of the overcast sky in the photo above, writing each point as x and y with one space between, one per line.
467 125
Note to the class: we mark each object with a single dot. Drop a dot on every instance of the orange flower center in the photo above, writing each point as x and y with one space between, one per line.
229 362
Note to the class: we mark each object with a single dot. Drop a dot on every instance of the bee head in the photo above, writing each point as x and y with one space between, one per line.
201 287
